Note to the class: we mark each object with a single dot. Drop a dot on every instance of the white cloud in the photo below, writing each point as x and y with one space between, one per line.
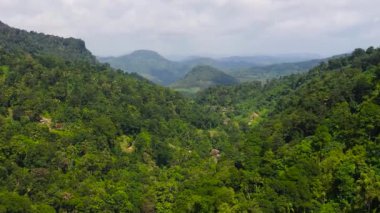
186 27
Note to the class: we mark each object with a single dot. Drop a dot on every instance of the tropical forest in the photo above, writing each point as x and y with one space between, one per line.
79 133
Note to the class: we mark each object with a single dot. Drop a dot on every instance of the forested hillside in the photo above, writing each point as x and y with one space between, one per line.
311 141
79 136
16 40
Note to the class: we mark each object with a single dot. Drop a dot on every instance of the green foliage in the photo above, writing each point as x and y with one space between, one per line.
317 138
78 136
62 127
12 202
12 39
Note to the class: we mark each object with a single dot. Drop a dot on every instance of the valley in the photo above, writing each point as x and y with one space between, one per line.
85 134
160 70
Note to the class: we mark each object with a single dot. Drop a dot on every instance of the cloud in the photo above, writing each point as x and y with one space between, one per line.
210 27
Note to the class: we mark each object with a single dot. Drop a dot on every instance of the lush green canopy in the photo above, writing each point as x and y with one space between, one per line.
77 135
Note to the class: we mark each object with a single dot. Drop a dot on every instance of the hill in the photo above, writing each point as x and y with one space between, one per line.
201 77
263 73
149 64
237 63
12 39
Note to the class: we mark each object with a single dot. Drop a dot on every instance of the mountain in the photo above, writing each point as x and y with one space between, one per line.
149 64
203 76
263 73
237 63
264 60
162 71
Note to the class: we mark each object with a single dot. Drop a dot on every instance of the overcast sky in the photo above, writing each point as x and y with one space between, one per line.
204 27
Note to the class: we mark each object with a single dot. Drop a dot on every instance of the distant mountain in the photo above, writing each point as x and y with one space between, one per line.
264 60
162 71
263 73
71 49
225 65
203 76
238 63
149 64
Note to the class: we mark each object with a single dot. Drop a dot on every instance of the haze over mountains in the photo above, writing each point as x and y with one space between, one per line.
148 64
160 70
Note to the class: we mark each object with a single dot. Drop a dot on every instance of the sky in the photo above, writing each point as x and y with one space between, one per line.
204 27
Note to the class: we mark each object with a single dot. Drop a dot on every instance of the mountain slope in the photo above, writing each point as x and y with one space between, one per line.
263 73
79 136
312 139
12 39
237 63
263 60
202 77
148 64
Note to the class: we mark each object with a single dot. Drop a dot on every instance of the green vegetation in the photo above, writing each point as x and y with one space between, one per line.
15 40
202 77
316 145
79 136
